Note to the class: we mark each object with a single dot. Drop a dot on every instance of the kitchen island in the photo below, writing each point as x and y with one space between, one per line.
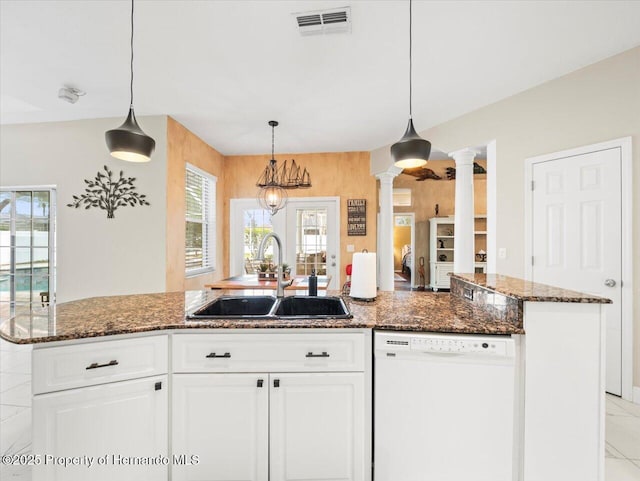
93 349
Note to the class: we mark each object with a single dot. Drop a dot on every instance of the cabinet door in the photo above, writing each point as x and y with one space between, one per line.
224 420
443 269
317 427
122 421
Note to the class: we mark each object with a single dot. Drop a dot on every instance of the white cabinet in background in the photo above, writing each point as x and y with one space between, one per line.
224 420
442 240
317 426
120 420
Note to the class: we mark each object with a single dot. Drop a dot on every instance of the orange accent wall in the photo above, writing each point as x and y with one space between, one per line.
183 146
342 174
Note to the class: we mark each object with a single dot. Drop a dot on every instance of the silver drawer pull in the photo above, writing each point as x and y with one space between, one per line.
95 365
213 354
324 354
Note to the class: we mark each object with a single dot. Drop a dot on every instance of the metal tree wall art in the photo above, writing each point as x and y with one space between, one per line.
108 193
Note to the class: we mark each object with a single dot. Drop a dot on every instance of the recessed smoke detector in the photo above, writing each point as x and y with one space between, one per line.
70 94
317 22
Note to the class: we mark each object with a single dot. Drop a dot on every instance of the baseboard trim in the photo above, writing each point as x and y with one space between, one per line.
636 395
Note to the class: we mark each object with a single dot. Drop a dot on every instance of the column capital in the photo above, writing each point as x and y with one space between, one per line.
389 174
464 156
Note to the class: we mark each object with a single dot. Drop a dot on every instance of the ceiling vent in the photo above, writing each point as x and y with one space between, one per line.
335 20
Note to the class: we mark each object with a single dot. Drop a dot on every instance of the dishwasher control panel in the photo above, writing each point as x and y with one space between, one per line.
437 344
445 344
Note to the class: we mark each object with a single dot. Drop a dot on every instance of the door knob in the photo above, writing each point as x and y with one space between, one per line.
610 283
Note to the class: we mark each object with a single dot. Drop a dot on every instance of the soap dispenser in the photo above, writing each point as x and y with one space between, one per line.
313 283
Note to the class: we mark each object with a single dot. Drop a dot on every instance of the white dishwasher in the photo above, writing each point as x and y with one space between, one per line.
444 407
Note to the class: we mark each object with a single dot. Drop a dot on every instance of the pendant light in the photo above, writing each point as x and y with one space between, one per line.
128 142
411 150
271 195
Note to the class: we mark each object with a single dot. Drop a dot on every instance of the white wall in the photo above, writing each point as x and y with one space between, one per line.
96 256
597 103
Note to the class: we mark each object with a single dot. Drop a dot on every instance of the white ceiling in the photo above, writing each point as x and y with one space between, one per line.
224 68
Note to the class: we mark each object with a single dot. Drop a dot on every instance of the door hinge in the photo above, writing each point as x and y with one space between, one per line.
532 260
533 185
158 386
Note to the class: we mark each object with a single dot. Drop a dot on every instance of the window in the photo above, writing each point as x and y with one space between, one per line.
200 192
402 197
26 249
311 241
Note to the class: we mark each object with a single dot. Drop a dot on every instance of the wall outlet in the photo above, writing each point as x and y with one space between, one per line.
502 253
351 248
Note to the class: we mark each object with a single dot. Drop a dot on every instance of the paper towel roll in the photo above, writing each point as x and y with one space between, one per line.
363 275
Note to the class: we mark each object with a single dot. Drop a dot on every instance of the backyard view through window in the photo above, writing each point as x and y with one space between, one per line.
257 223
26 249
200 191
311 241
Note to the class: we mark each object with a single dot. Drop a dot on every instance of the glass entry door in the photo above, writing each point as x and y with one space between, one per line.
26 249
313 238
308 229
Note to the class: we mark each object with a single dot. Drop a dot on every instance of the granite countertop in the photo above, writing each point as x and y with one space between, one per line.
104 316
496 308
528 291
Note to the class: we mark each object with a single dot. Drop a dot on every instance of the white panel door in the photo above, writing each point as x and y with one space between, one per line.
576 236
317 427
224 419
120 420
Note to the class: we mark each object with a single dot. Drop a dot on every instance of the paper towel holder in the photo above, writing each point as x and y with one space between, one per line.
354 277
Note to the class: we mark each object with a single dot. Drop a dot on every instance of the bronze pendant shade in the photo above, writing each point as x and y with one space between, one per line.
411 150
129 142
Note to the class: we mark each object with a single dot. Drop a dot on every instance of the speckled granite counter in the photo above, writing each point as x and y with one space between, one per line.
401 311
528 291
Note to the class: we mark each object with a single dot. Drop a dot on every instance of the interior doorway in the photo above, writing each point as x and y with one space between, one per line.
404 265
578 237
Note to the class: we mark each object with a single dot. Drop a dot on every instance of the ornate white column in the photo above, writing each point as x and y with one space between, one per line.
385 228
464 245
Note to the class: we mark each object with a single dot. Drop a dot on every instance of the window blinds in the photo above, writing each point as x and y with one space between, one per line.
199 212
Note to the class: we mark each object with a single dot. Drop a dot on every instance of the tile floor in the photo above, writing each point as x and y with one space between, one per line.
622 462
15 407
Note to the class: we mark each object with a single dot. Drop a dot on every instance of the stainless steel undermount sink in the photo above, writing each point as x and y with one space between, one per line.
268 307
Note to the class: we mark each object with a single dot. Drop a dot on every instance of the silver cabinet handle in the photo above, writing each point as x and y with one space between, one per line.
610 283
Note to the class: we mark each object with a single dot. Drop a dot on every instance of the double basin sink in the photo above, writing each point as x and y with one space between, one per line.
268 307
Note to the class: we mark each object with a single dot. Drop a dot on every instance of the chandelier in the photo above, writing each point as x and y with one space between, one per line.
274 181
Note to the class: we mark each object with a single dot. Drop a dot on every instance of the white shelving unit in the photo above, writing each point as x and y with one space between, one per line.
441 248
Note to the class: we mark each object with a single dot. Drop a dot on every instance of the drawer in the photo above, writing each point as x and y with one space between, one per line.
279 352
88 364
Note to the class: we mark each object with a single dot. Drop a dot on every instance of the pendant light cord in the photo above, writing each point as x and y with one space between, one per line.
131 85
410 62
273 133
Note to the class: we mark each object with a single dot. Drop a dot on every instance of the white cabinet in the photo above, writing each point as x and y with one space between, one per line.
247 424
96 399
121 421
441 248
317 426
224 420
